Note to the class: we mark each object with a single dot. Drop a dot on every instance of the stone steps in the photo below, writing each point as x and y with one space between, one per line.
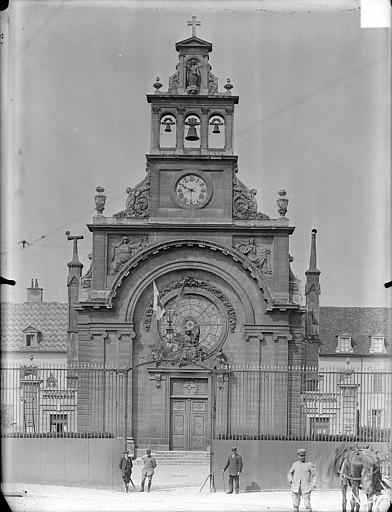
179 457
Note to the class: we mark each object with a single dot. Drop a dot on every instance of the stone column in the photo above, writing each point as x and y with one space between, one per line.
180 129
155 128
204 129
229 129
295 380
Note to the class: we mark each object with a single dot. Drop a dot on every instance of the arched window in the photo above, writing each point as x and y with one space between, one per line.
192 131
167 131
216 132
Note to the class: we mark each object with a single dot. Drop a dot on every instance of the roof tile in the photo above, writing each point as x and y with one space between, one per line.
50 318
359 323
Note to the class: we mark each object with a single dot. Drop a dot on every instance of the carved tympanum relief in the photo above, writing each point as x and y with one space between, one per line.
258 254
123 251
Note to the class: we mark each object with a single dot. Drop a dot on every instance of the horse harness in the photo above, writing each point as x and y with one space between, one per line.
358 479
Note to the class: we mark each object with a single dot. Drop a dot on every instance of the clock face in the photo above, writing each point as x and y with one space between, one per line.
195 312
191 191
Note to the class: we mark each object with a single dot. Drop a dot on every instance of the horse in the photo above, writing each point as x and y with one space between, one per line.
358 468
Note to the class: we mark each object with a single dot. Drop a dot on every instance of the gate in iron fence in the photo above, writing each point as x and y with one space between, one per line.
247 403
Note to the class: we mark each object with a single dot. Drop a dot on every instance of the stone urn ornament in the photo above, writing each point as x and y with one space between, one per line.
100 200
282 202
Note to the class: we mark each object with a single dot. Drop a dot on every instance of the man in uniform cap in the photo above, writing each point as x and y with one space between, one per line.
149 464
234 463
302 478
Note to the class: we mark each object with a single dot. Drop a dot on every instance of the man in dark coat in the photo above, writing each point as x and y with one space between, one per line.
126 469
234 463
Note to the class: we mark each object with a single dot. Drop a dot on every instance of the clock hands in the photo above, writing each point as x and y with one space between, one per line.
188 188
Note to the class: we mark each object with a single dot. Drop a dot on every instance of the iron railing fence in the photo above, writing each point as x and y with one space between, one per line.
279 403
68 401
295 403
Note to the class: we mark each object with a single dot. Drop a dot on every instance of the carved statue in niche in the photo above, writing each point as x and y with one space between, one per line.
192 74
125 250
256 254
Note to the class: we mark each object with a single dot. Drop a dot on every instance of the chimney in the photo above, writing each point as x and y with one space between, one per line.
35 293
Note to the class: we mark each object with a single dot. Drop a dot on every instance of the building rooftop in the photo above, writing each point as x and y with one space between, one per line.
358 323
49 320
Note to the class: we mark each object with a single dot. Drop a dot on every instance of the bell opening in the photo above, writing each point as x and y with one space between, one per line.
192 134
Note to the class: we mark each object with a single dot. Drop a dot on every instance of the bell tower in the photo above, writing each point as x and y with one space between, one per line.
191 157
192 232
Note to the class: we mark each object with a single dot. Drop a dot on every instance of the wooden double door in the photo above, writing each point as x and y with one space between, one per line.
188 414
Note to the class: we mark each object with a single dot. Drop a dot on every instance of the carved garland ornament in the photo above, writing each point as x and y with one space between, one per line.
244 202
193 283
138 200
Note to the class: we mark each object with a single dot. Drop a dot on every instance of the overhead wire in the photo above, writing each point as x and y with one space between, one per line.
32 243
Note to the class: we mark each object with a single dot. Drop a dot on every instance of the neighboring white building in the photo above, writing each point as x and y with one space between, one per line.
36 392
354 373
34 328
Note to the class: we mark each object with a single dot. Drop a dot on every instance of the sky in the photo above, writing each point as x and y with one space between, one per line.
313 118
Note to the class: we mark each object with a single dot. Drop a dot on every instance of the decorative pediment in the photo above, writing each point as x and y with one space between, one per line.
191 42
30 330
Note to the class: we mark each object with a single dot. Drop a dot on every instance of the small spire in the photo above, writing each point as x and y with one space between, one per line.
36 283
313 254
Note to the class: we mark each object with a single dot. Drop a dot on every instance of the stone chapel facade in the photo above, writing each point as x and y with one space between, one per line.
222 268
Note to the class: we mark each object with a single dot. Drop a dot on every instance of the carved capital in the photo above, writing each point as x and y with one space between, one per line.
181 110
129 333
253 333
282 335
229 110
155 109
205 110
157 377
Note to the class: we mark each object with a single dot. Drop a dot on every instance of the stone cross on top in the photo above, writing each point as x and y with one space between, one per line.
194 24
75 239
